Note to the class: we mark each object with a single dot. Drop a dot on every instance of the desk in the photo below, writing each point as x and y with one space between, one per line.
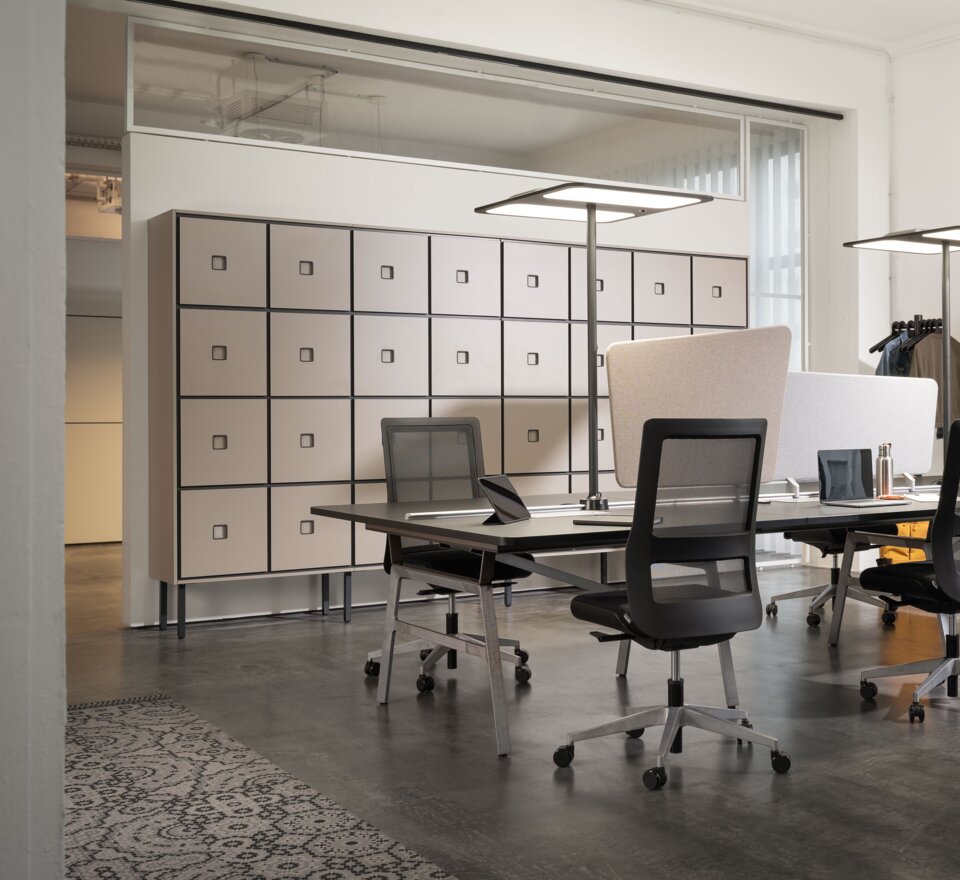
545 532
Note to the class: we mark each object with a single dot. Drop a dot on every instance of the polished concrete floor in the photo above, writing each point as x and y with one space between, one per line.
869 794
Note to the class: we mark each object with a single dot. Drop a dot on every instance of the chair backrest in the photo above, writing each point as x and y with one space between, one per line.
945 533
696 507
428 459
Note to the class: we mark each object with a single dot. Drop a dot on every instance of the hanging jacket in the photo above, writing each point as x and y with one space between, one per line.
927 362
893 361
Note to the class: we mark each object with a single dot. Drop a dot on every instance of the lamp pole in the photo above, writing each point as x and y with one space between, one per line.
947 340
594 499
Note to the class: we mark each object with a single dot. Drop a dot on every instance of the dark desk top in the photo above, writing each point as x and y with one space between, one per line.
553 530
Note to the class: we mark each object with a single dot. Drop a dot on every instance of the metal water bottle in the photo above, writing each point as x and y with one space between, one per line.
884 471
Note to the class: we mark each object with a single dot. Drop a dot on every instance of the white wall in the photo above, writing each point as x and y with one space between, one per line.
31 442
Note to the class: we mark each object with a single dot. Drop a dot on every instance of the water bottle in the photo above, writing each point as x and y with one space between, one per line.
884 471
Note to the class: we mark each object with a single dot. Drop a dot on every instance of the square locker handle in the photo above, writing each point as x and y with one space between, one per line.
463 357
220 532
716 291
218 263
463 276
599 285
600 434
533 436
306 267
219 441
533 358
599 360
306 441
386 273
659 288
533 281
386 355
306 527
306 355
218 352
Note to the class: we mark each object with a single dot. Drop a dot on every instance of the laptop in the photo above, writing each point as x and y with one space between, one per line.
846 479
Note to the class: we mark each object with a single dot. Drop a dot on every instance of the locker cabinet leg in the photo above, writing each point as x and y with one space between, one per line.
324 594
508 593
347 596
163 605
181 611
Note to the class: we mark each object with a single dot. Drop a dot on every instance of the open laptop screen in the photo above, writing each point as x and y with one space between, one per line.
845 474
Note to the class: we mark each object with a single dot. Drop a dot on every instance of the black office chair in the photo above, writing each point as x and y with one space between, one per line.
439 459
932 586
696 506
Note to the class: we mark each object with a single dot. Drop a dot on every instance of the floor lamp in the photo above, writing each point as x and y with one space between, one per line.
592 203
927 241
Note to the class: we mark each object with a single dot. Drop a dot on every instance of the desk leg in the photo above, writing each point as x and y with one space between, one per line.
842 584
163 605
495 668
389 639
729 678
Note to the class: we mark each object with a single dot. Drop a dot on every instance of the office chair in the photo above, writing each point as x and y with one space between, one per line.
932 586
439 459
696 505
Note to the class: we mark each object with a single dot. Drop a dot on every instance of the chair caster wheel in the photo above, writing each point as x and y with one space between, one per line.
425 684
563 756
636 733
868 690
522 674
523 655
654 778
780 762
771 609
889 617
915 712
371 668
424 653
813 619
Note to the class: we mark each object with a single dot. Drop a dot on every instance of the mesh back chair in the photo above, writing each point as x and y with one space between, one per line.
695 507
439 459
932 586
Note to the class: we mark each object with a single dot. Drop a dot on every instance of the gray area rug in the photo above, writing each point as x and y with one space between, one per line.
155 793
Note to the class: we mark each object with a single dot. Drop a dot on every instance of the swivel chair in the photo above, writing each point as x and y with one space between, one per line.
439 459
932 586
696 506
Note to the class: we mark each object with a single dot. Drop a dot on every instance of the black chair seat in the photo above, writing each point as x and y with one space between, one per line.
831 541
612 610
914 582
460 563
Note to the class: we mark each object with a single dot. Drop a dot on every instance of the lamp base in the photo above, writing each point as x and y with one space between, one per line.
595 502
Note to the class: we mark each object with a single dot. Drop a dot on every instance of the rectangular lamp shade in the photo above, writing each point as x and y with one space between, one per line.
911 241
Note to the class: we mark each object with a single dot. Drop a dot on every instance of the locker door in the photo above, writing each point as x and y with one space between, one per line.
658 331
661 288
535 280
223 442
309 267
309 354
535 358
222 352
614 291
310 441
536 436
368 546
488 413
579 436
389 272
391 356
367 445
223 531
607 334
301 540
720 291
465 356
464 275
223 262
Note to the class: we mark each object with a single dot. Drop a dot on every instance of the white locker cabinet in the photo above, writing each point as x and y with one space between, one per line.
391 356
368 547
487 411
720 291
579 436
607 334
536 280
465 356
699 331
546 484
309 267
659 331
536 436
389 272
367 444
464 275
606 480
535 358
309 441
309 355
614 290
299 540
661 288
94 387
222 353
223 531
223 442
223 262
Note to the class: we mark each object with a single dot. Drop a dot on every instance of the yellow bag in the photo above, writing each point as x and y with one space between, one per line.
907 554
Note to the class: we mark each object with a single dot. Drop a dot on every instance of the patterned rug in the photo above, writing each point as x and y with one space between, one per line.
155 793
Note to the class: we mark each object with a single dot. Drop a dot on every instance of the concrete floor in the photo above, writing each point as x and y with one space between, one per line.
869 794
